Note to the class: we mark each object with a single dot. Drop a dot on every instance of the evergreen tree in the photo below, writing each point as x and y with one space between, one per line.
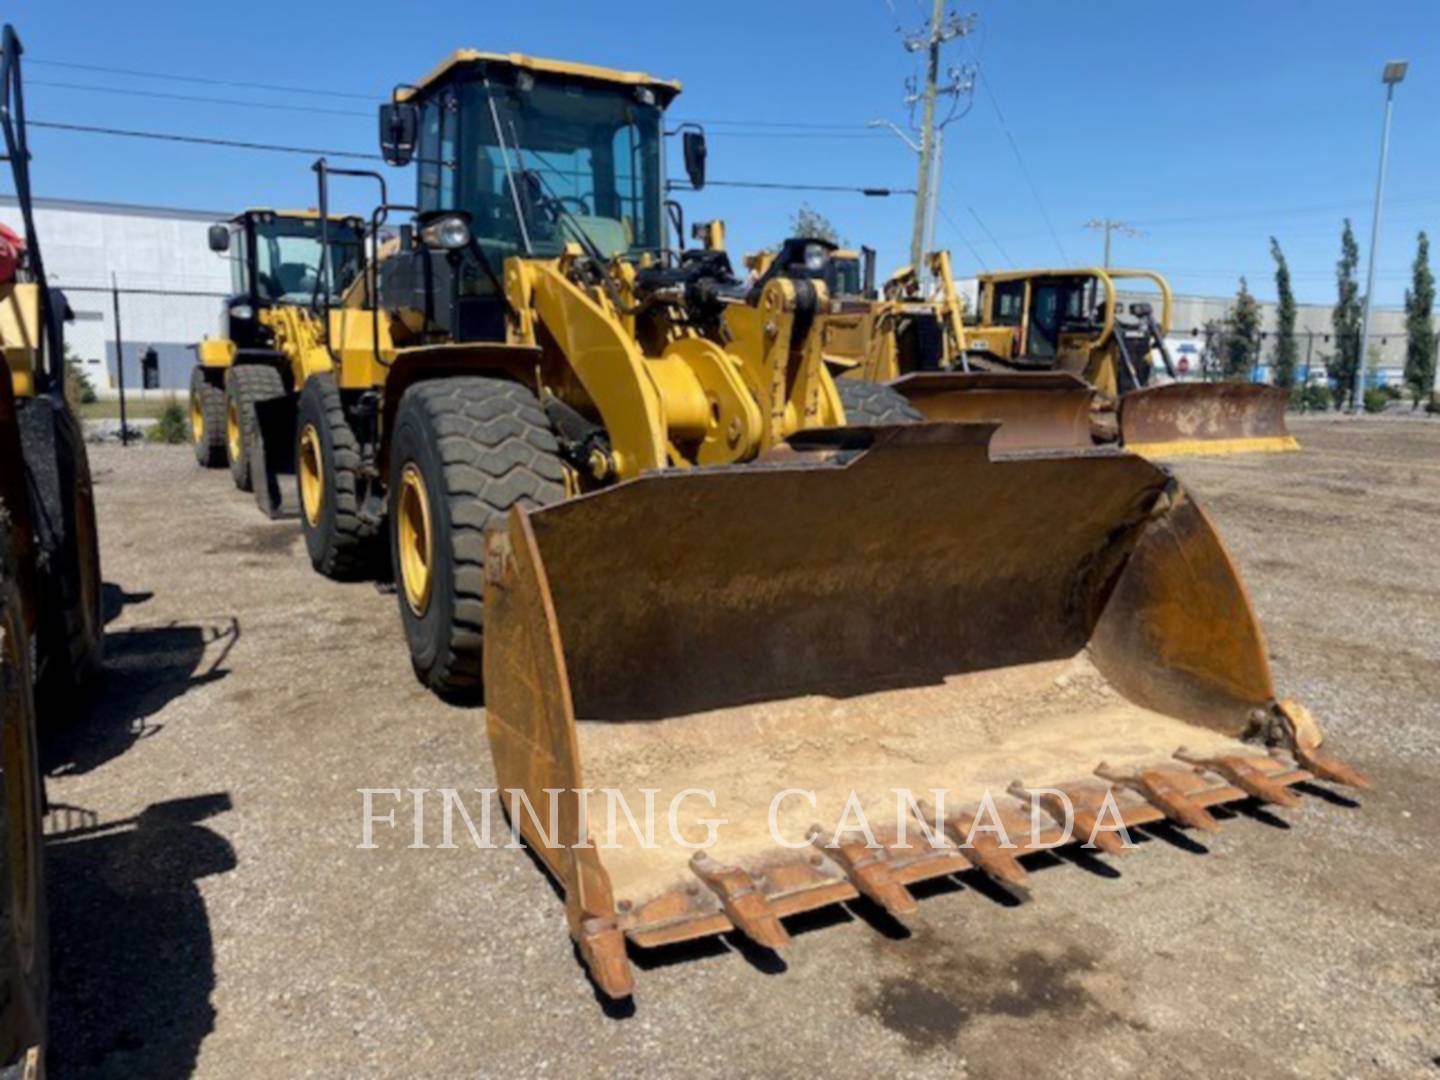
1286 350
813 225
1345 318
1420 325
1241 351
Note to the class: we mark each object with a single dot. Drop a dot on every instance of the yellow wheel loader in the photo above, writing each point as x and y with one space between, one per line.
51 624
245 374
622 496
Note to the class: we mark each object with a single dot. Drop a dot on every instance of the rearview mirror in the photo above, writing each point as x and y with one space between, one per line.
220 238
694 147
399 127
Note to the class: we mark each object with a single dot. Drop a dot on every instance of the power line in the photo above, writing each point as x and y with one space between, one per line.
963 238
991 236
168 77
873 192
200 140
274 106
1020 161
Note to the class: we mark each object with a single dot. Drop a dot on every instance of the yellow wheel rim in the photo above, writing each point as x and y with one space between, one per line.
197 419
312 475
233 439
414 539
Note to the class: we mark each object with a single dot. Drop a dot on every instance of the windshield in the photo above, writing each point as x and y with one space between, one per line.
585 161
287 258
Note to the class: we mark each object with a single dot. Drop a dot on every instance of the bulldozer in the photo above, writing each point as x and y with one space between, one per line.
51 623
275 264
626 501
1051 355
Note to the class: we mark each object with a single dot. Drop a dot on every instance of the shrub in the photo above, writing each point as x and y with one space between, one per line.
172 426
1376 399
1312 398
79 390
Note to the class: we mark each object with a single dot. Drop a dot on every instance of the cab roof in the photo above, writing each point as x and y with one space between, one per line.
304 215
665 89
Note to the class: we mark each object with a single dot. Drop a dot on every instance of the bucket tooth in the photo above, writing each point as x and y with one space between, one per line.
1326 766
1161 792
994 860
1304 736
869 870
1242 774
602 947
744 904
1083 820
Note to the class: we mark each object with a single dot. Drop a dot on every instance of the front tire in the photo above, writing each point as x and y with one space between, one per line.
72 623
869 404
207 420
246 384
341 544
465 451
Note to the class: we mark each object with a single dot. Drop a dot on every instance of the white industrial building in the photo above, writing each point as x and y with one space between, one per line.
171 285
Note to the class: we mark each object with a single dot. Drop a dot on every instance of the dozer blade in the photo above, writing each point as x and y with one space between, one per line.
773 650
1182 419
1035 411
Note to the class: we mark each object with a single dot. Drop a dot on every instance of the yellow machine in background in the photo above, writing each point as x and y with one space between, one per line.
276 265
1043 349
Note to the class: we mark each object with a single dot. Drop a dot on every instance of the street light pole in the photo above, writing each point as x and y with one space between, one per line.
1394 73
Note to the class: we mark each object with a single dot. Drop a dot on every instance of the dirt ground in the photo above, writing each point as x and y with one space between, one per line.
212 911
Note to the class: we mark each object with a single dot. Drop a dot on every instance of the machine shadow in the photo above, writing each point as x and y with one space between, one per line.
145 669
132 952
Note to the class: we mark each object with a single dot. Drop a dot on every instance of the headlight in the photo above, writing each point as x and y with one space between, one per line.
815 256
242 311
449 233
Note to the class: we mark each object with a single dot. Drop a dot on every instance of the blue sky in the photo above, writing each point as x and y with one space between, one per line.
1208 125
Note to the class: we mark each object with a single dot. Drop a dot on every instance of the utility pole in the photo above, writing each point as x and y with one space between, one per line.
943 28
1109 226
1394 73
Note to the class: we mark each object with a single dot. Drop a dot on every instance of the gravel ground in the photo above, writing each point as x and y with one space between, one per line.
212 913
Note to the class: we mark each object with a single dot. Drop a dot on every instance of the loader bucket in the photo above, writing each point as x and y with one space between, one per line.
272 457
1042 410
871 610
1205 418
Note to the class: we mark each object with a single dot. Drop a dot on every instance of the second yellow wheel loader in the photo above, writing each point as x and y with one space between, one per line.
622 496
247 374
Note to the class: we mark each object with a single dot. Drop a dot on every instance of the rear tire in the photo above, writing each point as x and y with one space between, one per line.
327 466
72 622
24 939
869 404
465 451
207 420
244 386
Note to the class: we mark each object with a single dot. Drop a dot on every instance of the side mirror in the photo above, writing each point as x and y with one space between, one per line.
694 146
399 128
220 238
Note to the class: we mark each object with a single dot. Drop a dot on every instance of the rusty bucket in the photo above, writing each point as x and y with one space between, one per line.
776 650
1040 410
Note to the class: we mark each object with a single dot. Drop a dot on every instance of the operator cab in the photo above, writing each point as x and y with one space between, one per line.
276 258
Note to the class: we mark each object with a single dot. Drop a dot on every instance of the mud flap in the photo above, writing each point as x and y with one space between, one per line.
1183 419
273 453
1039 411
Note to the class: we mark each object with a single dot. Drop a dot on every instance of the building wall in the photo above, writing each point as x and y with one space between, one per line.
171 284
